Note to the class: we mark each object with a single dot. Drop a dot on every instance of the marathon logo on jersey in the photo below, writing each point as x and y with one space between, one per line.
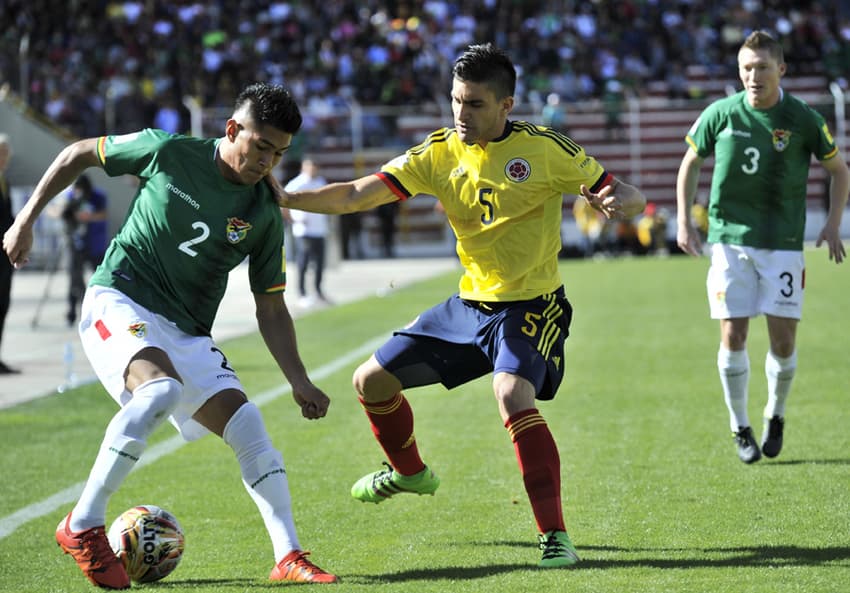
518 170
182 195
781 138
138 329
237 230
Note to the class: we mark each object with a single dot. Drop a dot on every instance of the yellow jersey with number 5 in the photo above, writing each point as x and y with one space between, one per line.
503 201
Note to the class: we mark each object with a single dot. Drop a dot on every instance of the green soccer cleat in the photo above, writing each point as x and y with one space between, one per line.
558 550
386 483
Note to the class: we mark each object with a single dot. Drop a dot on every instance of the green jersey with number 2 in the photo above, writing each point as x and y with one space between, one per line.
762 157
186 228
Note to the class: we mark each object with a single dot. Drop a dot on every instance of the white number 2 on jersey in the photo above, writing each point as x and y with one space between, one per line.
753 153
186 246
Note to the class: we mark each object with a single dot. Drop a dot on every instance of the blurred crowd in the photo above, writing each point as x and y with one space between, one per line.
94 66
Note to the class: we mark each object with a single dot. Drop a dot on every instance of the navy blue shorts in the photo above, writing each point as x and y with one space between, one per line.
460 340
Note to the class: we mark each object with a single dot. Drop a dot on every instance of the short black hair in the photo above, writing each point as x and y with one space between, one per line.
270 105
486 64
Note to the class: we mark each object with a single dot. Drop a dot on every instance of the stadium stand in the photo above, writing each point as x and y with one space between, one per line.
372 77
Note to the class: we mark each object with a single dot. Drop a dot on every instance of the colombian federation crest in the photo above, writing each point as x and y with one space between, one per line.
781 138
518 170
237 229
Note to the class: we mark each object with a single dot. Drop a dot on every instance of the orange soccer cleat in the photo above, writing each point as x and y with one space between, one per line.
295 567
93 554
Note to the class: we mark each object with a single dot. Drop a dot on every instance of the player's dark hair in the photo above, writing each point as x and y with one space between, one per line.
758 40
271 105
485 64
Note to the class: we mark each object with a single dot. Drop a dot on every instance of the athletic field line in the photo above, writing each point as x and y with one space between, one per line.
10 523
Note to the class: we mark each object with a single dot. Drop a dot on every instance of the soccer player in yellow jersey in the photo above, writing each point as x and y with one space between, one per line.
501 184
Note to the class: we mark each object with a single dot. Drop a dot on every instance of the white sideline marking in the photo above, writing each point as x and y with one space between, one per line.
10 523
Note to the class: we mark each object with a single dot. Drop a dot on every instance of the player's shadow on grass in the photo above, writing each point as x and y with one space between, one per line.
717 557
184 584
808 462
244 584
613 557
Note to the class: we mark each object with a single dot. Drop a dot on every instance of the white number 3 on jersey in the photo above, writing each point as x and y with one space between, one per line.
753 153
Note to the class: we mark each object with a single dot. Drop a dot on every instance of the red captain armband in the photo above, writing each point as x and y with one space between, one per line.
393 184
606 179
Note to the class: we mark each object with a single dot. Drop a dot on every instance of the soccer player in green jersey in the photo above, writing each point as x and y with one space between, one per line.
500 183
202 207
762 139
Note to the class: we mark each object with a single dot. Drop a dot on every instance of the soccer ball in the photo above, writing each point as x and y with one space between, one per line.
149 541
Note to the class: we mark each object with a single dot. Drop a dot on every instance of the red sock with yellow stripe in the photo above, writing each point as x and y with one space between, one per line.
540 466
392 425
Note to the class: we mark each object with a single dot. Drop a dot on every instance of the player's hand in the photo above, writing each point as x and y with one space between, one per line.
607 204
313 401
17 243
832 238
688 239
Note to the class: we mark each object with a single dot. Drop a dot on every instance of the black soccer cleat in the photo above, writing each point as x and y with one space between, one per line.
748 449
771 438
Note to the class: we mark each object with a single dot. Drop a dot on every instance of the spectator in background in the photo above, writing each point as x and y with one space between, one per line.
387 214
310 230
351 235
652 230
590 224
613 102
554 114
168 117
6 220
85 218
205 49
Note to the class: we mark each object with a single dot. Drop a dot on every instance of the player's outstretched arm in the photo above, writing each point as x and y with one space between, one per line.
687 180
65 168
839 187
616 200
340 198
278 331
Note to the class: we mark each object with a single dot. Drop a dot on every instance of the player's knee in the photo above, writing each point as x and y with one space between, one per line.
512 392
160 396
373 383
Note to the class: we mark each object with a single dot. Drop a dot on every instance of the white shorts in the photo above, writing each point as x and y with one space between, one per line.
745 282
113 329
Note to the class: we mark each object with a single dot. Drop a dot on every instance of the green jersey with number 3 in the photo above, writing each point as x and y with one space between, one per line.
762 157
186 228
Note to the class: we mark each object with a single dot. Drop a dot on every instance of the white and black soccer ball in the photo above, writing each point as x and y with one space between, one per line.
149 541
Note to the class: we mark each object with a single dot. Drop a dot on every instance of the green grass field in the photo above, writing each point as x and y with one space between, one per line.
654 495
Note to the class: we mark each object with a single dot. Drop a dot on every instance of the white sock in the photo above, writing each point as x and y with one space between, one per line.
264 476
780 374
123 444
734 369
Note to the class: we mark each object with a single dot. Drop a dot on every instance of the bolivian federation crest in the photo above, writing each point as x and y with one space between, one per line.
237 229
138 329
781 138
